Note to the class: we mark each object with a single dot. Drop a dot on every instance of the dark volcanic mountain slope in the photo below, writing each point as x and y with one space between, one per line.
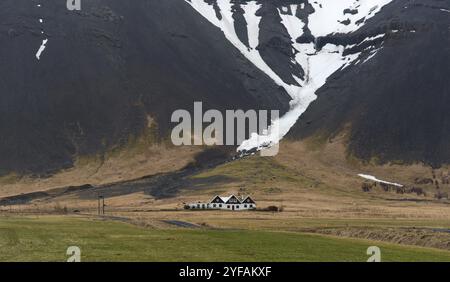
398 103
105 71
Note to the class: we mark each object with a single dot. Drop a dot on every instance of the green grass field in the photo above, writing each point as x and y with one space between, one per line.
47 239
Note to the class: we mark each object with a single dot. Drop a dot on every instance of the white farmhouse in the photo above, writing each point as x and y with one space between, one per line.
232 203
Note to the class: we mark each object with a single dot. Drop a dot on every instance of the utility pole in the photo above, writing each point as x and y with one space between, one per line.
101 205
98 205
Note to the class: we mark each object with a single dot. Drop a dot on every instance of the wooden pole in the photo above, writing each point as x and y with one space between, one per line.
98 205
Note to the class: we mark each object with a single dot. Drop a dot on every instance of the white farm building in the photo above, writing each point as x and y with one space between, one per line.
224 203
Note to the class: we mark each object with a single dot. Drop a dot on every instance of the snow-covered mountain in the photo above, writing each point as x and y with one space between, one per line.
393 107
79 83
303 45
287 41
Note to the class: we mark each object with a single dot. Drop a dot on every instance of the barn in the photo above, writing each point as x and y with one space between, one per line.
231 202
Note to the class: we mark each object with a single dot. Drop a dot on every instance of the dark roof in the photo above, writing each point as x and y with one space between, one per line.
217 199
248 200
233 199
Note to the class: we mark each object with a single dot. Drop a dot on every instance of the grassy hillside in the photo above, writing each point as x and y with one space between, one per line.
47 238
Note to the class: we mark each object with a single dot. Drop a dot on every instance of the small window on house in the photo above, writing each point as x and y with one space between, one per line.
237 206
228 206
220 205
198 205
203 206
251 205
214 205
245 206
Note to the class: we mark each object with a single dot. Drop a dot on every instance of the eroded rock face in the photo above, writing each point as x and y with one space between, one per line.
104 70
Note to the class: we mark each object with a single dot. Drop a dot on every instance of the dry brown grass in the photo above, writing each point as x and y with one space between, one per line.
118 165
311 178
314 181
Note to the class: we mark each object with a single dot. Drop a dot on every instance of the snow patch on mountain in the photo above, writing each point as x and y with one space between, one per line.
329 17
44 41
226 24
373 178
342 16
41 49
293 24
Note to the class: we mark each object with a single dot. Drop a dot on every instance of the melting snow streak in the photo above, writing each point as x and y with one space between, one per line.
373 178
44 41
41 49
318 64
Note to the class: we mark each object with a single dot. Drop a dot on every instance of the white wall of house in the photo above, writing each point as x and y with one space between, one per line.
215 206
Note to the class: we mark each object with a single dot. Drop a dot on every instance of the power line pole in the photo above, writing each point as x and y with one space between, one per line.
98 204
101 205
